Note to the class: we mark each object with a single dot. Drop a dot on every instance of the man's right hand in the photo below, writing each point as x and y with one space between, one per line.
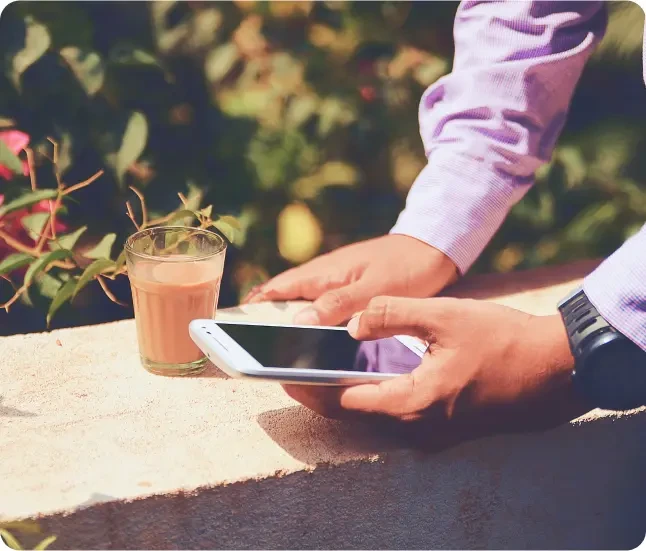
341 283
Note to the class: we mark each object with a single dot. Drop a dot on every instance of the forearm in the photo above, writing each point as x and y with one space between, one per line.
617 289
494 120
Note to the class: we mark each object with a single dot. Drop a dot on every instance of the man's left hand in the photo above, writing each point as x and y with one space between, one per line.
489 369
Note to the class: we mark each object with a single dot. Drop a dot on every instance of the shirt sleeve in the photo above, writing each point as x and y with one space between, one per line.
617 288
490 123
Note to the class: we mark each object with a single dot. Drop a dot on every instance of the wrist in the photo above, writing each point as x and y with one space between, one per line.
433 260
554 340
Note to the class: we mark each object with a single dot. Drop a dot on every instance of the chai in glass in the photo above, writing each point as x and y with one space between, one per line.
175 275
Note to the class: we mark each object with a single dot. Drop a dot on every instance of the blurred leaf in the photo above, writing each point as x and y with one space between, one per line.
45 543
220 61
128 55
28 199
37 41
7 123
86 66
22 526
48 285
280 157
230 221
13 262
9 539
121 261
630 231
34 224
132 144
428 72
183 215
41 263
588 225
300 109
103 248
97 267
226 229
193 197
624 34
9 159
574 165
68 241
245 103
333 112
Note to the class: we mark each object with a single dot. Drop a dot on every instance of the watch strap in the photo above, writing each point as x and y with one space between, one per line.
582 321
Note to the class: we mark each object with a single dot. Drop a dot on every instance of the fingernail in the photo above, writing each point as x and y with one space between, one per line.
353 325
308 316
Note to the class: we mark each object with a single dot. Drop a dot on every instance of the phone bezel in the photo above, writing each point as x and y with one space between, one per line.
229 356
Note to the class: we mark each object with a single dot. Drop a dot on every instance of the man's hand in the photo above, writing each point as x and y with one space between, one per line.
489 369
342 282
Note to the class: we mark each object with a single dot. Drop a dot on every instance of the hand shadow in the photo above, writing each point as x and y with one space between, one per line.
313 439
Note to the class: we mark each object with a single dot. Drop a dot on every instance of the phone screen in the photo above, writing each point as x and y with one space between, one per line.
324 349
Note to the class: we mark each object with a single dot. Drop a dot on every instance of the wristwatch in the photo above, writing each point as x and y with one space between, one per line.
610 369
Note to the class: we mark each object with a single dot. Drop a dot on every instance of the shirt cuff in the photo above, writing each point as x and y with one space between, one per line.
617 289
456 205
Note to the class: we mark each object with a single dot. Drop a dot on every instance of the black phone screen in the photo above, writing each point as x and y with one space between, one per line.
324 349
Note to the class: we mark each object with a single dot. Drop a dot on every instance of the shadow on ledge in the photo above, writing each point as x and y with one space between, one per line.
313 439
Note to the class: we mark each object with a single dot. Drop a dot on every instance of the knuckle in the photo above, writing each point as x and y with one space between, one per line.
334 300
378 312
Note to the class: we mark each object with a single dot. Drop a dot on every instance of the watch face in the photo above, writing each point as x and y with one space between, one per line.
614 375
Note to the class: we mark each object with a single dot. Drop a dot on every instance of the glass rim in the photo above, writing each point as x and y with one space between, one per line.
128 246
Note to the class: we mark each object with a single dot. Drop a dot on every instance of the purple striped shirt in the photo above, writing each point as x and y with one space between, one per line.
494 120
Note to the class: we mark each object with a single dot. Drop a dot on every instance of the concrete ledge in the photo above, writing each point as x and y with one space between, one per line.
107 456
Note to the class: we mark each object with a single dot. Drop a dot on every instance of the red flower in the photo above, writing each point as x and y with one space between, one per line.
16 141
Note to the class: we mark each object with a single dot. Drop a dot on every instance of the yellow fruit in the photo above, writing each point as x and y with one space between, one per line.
299 233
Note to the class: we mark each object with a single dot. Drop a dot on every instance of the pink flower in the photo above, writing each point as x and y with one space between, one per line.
16 141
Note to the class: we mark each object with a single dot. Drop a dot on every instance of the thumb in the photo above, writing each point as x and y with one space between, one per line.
335 306
389 316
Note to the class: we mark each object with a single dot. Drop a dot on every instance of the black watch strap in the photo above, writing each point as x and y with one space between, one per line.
582 321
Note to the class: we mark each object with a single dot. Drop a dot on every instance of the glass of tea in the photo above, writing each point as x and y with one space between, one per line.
175 275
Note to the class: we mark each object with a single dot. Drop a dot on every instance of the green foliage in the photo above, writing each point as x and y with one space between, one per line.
14 262
97 267
28 199
26 527
255 107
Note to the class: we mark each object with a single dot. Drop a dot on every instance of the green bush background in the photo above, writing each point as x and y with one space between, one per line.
269 104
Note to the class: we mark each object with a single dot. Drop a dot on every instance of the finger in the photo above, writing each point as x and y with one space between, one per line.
392 398
336 306
324 400
389 316
300 282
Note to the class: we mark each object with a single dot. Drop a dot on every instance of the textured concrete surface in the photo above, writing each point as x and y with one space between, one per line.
106 455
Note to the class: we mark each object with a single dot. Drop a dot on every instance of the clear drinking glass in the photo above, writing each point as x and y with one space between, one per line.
175 275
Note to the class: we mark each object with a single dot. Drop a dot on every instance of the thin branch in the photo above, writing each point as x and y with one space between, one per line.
55 162
52 221
182 198
83 184
162 220
17 245
144 211
108 293
131 215
30 163
52 224
13 299
8 280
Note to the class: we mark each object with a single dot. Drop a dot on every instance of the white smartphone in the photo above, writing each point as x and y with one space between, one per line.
303 354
